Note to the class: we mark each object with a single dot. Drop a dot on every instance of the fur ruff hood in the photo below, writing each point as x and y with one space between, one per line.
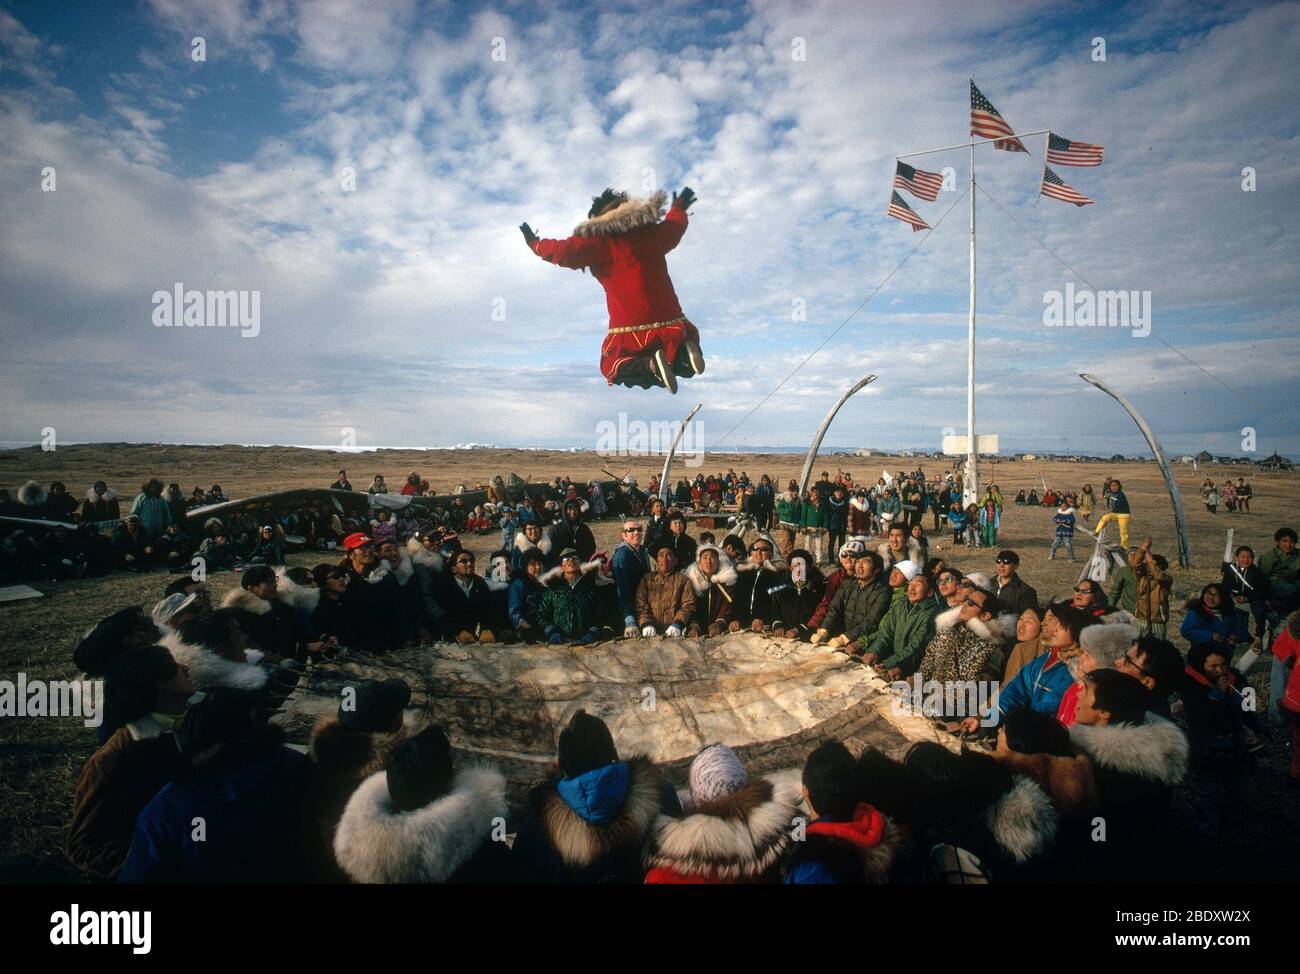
109 495
207 669
1155 750
859 503
1069 782
523 544
375 844
631 214
1000 629
32 494
555 576
404 571
580 843
1023 821
422 556
293 595
1108 641
724 576
243 599
771 565
738 837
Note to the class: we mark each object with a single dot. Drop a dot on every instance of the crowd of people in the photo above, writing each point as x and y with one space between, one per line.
1097 716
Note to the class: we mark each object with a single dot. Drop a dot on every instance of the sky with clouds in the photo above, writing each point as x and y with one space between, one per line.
463 120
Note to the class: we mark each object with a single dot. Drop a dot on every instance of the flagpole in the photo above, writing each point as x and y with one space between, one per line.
970 483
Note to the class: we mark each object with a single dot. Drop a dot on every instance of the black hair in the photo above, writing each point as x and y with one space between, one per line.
532 554
1071 618
1121 696
211 630
106 641
419 770
898 527
256 575
930 565
877 562
1199 653
131 687
992 604
585 744
954 790
1284 533
300 574
1162 662
1243 547
887 785
831 776
1031 732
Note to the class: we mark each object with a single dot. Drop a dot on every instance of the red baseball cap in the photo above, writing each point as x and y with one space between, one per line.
356 539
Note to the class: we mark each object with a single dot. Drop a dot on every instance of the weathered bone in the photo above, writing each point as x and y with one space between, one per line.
821 432
672 450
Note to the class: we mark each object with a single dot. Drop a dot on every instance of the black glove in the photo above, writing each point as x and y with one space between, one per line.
529 237
686 199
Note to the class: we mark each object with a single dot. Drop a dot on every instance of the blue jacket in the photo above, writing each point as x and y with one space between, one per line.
523 600
1198 627
1035 688
1118 502
629 566
250 824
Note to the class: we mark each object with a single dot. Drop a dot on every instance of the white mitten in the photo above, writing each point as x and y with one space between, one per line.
648 631
631 632
819 636
674 631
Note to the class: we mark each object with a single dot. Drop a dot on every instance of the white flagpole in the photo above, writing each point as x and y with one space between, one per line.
971 480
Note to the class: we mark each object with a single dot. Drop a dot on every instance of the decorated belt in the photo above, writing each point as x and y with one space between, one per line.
650 327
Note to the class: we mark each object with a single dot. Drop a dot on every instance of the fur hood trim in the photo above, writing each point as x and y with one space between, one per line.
1155 750
770 565
1069 782
628 215
1023 821
32 494
1107 642
999 629
345 751
739 837
403 572
522 543
242 598
109 495
859 503
580 843
420 555
724 576
556 574
207 669
293 595
375 844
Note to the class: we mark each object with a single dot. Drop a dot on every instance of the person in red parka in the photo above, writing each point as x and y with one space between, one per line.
623 243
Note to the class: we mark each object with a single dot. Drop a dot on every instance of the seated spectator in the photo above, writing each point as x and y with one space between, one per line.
1138 759
471 612
382 528
422 821
796 596
147 692
216 550
711 576
898 578
217 653
898 644
734 830
430 573
60 505
850 551
394 598
665 601
32 500
1030 643
1089 597
969 643
567 610
268 549
269 621
174 547
131 548
337 616
1220 728
1157 665
980 822
245 788
101 504
526 591
174 611
846 839
569 532
857 608
589 822
1100 646
1211 618
152 509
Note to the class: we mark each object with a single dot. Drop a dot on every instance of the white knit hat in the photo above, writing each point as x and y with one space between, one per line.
715 773
909 568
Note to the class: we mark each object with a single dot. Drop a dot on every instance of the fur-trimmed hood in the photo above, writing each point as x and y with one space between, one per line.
522 543
1023 821
999 629
771 565
207 669
1155 749
293 595
859 503
420 555
109 495
243 599
1069 782
32 494
344 752
555 576
580 843
1108 641
375 844
737 838
403 572
631 214
724 576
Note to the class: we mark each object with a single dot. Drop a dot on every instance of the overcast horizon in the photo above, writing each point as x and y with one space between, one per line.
364 169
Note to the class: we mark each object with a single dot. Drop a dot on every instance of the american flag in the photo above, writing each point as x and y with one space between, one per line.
1062 152
899 210
918 182
988 124
1057 189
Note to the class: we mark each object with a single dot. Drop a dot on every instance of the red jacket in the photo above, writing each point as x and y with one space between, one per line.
1287 648
629 266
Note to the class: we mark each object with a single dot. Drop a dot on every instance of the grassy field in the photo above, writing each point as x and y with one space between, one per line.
40 758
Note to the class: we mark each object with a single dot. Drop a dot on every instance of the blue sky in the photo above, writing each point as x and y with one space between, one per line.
377 303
